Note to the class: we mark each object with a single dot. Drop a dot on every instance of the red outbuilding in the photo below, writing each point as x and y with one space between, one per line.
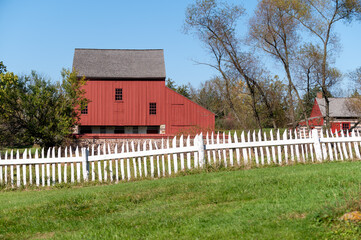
127 94
342 117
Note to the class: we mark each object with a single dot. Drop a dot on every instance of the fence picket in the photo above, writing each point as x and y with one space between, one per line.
151 160
238 154
122 163
244 150
330 153
188 154
302 148
6 168
224 151
139 161
128 160
324 150
158 166
339 146
261 148
349 144
53 167
355 145
255 149
181 145
249 149
292 149
273 148
230 149
48 168
133 160
279 149
163 161
169 160
145 159
66 165
12 170
116 164
104 164
344 146
30 168
214 151
59 165
219 151
306 147
334 146
24 167
175 161
100 177
208 152
78 177
284 137
110 165
43 168
297 148
196 153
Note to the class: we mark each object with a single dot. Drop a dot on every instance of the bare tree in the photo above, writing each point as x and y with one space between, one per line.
274 31
214 23
319 18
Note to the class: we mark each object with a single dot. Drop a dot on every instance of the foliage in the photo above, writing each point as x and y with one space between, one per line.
265 203
35 111
2 67
183 89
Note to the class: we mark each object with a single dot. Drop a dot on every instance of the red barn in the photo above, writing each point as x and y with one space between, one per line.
341 116
127 94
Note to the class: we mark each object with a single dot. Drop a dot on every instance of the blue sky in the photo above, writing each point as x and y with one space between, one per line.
41 35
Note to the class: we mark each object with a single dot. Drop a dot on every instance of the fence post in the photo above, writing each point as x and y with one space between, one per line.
85 156
200 144
317 145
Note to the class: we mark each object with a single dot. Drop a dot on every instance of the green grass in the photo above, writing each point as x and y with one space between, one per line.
291 202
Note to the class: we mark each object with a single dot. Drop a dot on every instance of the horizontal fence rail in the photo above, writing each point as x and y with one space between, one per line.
134 161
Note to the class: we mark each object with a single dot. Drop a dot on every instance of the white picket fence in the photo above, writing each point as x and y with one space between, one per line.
133 161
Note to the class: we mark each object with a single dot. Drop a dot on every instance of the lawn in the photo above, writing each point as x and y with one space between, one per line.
291 202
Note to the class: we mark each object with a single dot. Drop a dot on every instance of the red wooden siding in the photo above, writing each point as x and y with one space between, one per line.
173 110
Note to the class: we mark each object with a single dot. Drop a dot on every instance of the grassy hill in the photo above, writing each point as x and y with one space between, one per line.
292 202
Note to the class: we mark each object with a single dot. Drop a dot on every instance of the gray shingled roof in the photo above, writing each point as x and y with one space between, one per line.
339 107
119 63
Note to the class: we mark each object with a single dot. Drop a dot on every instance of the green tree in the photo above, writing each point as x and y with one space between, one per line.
2 67
38 111
183 89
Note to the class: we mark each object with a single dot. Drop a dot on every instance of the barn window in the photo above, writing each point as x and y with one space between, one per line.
153 129
85 110
345 126
103 130
152 108
119 130
118 94
85 129
135 130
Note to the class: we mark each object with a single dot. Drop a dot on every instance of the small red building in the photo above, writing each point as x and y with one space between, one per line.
341 116
127 94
